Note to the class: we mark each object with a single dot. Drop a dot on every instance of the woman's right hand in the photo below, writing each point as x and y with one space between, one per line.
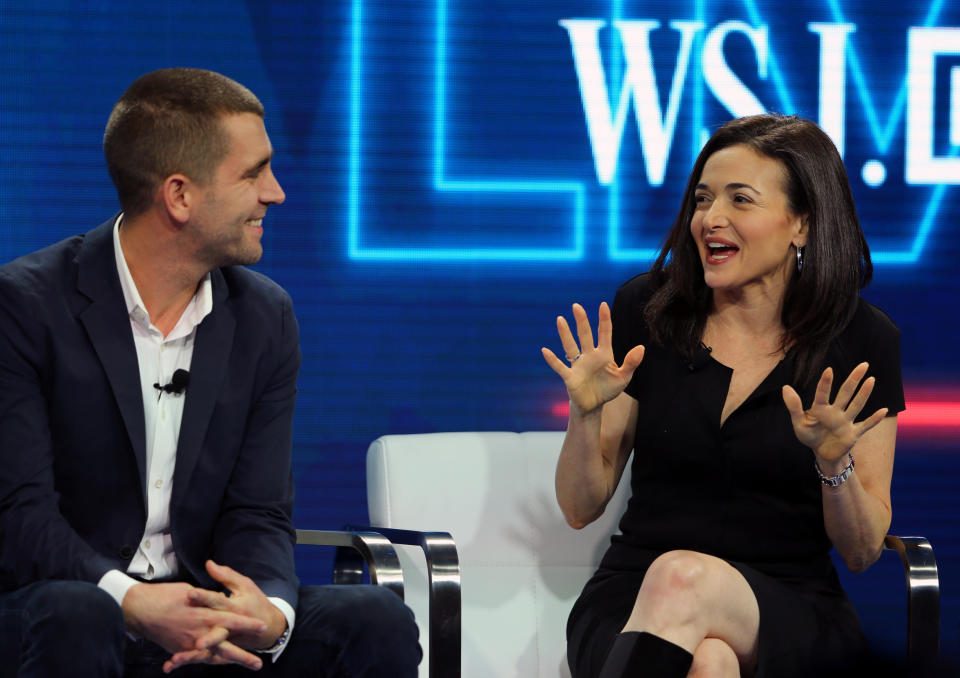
593 377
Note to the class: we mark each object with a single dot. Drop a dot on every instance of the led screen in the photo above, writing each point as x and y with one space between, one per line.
459 171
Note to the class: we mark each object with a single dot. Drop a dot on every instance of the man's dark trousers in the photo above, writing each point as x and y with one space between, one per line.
67 628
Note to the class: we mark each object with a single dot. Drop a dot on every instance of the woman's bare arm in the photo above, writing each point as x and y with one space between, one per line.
602 417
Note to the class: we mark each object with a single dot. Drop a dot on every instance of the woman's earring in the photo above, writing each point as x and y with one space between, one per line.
799 258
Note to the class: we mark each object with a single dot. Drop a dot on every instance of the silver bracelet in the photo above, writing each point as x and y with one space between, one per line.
840 478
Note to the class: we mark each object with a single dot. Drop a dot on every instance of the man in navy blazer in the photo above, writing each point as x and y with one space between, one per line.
147 387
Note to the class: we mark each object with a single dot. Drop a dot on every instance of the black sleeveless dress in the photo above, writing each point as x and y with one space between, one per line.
746 492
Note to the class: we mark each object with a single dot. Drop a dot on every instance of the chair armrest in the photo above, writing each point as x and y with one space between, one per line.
923 597
354 548
443 579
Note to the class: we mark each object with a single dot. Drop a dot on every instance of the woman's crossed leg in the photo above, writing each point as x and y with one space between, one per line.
704 605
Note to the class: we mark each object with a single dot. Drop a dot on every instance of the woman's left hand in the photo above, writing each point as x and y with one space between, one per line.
829 428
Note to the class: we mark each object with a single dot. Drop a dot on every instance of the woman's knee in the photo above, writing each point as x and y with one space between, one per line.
676 581
688 596
713 658
677 570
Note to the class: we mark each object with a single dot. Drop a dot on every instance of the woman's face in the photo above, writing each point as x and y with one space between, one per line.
742 224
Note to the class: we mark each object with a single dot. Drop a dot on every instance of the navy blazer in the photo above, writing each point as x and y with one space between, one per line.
72 477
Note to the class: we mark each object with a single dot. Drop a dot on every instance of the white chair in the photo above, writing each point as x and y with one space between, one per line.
521 566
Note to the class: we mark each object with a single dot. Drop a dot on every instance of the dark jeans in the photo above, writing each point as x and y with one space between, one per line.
61 628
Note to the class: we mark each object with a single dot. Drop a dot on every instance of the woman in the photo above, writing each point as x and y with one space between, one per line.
721 370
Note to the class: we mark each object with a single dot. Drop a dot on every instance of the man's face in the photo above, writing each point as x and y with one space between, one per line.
228 223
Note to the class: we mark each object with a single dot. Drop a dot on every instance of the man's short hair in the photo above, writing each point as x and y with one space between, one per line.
168 121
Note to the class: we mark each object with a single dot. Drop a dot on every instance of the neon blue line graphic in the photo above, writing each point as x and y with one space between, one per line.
883 138
441 182
774 69
912 255
699 14
356 122
575 189
614 251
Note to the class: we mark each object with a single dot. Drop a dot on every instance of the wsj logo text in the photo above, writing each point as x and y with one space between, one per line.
656 126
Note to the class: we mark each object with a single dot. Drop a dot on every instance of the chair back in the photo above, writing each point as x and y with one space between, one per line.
522 566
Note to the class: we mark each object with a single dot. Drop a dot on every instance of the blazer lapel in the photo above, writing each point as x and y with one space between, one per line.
208 367
108 326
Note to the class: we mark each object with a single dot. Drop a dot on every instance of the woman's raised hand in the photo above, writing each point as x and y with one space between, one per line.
593 377
829 428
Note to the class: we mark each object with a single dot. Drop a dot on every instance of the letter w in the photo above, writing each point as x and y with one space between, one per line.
605 126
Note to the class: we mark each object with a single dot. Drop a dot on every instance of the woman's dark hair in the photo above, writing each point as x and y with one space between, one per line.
818 303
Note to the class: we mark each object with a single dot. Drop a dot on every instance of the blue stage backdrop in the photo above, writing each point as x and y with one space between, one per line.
459 171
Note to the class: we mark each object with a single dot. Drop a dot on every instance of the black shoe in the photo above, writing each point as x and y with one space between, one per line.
638 653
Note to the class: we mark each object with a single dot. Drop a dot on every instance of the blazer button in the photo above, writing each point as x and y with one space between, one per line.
126 552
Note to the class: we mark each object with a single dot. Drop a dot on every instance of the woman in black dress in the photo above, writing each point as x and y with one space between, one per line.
736 372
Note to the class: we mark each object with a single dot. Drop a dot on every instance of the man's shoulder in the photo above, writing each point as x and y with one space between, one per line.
53 262
262 309
36 277
249 286
260 305
40 265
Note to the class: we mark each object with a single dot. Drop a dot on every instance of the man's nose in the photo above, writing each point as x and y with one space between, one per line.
271 192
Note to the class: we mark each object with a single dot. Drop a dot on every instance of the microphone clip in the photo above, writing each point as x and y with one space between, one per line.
178 383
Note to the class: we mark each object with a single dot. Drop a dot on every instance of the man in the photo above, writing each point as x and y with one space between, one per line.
147 386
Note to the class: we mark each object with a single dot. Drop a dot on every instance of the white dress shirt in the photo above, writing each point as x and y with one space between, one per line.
159 357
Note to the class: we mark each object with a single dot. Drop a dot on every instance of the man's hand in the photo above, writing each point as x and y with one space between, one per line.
165 614
246 600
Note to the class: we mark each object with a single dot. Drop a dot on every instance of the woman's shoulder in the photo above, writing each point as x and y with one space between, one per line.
629 324
636 292
869 336
870 324
873 337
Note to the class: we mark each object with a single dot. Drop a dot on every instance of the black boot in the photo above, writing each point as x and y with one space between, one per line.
644 655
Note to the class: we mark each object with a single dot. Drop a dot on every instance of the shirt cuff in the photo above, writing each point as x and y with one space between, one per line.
117 583
291 617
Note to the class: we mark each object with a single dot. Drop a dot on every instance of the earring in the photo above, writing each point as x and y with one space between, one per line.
799 258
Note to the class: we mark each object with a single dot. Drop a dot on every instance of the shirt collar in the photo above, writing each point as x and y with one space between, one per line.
198 308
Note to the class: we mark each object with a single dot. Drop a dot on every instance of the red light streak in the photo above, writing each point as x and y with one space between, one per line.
930 415
930 410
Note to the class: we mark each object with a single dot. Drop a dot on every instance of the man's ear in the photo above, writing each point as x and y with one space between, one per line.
178 195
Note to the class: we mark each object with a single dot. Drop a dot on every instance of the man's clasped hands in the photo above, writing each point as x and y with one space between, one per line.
198 626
